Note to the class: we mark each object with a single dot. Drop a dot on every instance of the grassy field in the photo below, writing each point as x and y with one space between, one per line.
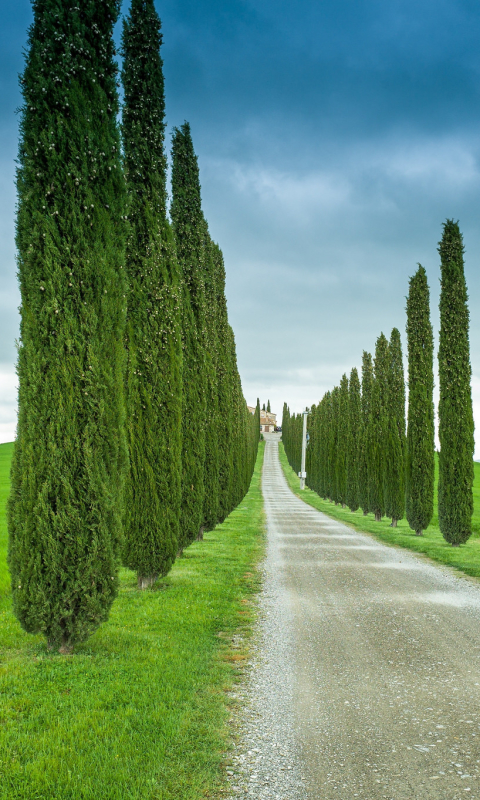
140 710
465 558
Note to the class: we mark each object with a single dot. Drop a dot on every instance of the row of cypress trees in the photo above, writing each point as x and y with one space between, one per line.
359 453
133 435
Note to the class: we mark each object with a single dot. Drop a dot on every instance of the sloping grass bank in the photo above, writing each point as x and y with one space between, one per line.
140 710
465 558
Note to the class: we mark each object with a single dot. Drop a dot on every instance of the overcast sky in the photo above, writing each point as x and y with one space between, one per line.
334 138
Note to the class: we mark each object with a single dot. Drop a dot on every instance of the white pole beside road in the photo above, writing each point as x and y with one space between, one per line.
302 475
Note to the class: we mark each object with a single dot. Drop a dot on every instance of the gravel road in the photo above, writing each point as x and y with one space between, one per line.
365 678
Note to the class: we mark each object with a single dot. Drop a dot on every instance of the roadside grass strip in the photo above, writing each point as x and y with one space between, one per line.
465 558
141 709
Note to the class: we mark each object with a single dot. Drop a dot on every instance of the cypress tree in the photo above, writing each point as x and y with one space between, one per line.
377 430
395 444
354 423
322 423
188 225
420 463
455 498
333 443
213 418
263 407
363 439
225 391
66 500
268 407
153 386
341 460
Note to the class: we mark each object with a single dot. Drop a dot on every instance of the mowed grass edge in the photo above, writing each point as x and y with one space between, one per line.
141 709
465 558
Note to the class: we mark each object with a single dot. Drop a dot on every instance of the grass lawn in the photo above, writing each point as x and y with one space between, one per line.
465 558
140 710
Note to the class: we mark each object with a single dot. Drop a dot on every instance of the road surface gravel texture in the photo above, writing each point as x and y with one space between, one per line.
381 660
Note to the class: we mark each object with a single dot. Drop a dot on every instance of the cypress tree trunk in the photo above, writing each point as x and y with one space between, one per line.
188 225
66 500
455 498
394 455
420 461
153 386
377 430
354 423
363 439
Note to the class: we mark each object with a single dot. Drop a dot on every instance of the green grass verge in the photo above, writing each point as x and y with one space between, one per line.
140 710
432 544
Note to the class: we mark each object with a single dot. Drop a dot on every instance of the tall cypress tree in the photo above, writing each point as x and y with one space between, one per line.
363 439
377 430
188 225
213 417
66 499
225 391
455 498
268 406
395 443
420 464
354 423
333 443
341 460
153 386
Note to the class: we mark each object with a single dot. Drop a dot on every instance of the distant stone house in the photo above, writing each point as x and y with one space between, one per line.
268 421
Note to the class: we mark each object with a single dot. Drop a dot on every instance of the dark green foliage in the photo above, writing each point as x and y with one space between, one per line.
395 443
213 419
419 473
311 464
354 425
263 407
226 430
153 386
66 500
455 499
268 406
367 390
341 455
189 228
332 445
376 434
292 429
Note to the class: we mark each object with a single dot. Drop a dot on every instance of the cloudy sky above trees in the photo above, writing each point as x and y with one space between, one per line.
334 138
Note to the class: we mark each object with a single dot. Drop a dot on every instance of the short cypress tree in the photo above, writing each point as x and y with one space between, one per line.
376 438
153 386
341 461
395 443
263 407
420 463
66 500
188 225
455 498
354 424
367 389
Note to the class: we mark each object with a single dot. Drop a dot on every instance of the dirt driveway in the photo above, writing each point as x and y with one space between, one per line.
385 658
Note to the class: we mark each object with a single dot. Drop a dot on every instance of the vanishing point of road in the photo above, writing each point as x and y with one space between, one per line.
385 658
